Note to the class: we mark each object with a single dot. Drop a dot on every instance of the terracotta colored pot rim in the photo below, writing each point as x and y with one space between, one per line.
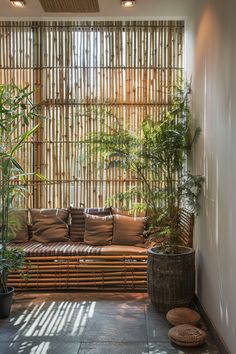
184 251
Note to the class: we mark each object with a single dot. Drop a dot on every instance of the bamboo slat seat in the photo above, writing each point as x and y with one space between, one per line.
36 249
77 266
33 249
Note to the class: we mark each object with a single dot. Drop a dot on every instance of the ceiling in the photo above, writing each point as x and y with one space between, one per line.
108 8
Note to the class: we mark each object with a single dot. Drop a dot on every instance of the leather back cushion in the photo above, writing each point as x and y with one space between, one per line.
98 230
128 230
49 225
18 225
77 227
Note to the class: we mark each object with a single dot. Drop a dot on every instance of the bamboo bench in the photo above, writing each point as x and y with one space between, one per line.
69 268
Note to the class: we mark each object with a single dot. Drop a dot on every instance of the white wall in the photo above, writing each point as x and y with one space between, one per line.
214 104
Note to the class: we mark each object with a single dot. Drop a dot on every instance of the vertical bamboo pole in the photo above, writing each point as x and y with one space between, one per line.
37 74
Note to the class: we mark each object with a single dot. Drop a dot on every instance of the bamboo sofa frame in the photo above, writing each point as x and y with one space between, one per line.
97 272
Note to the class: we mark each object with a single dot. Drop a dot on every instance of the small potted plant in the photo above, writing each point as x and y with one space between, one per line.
157 159
16 109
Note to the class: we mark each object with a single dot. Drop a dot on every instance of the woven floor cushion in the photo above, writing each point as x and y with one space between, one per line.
187 335
70 248
183 315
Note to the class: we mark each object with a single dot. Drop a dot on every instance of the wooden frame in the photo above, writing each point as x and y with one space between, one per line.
92 272
83 273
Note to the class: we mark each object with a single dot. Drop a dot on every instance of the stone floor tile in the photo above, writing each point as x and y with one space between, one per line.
40 347
120 307
106 327
113 348
104 323
169 348
46 319
7 331
157 325
4 347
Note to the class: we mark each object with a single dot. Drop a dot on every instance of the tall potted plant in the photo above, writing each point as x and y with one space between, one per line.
157 159
16 110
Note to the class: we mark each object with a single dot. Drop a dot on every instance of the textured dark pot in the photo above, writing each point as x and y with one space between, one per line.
5 303
171 278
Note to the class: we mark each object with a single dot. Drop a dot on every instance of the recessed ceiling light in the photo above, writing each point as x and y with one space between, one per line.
128 3
18 3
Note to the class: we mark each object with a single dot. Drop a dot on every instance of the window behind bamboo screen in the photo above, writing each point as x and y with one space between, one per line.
122 70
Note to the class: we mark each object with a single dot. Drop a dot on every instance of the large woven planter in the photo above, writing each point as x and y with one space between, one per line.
171 278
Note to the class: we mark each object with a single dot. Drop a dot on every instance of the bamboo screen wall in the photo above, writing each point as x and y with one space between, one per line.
123 69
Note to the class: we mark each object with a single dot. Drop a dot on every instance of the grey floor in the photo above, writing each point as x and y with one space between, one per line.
88 323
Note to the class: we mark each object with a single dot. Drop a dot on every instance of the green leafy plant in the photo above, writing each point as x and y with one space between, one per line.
16 110
157 160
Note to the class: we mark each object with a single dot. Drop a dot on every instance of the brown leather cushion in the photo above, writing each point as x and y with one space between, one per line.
49 225
77 227
128 230
98 230
117 211
18 225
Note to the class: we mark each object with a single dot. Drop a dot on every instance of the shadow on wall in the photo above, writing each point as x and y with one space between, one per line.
215 107
208 32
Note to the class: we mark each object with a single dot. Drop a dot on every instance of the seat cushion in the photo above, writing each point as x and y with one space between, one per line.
77 227
69 248
119 250
50 225
128 230
98 230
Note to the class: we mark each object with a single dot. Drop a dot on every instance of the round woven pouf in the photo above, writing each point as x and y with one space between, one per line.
183 315
187 335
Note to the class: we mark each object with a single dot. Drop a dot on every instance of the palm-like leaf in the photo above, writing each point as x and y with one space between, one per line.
156 159
16 108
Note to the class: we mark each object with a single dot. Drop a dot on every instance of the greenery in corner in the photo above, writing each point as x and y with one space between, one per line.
16 110
157 160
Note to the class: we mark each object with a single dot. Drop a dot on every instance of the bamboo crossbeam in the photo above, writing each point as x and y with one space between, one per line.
79 279
83 288
65 272
128 257
90 266
57 283
96 67
79 263
84 271
94 25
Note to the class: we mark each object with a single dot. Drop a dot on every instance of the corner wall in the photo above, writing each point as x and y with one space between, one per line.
214 107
